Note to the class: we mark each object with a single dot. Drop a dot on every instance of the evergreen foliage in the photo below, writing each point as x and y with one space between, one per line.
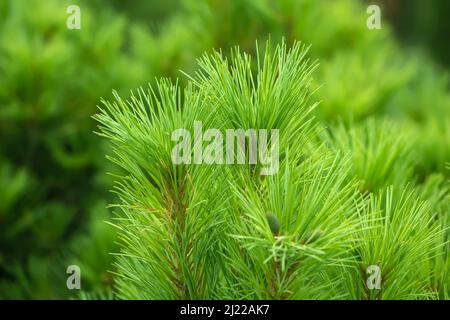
307 232
51 185
364 153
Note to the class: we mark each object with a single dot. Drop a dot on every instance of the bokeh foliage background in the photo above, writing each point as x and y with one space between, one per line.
53 186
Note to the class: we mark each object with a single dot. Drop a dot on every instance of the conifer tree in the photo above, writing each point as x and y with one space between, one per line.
309 231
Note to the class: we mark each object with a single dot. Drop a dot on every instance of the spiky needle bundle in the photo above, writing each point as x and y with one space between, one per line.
310 231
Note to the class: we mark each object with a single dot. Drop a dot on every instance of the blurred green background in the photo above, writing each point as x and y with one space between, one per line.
53 181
